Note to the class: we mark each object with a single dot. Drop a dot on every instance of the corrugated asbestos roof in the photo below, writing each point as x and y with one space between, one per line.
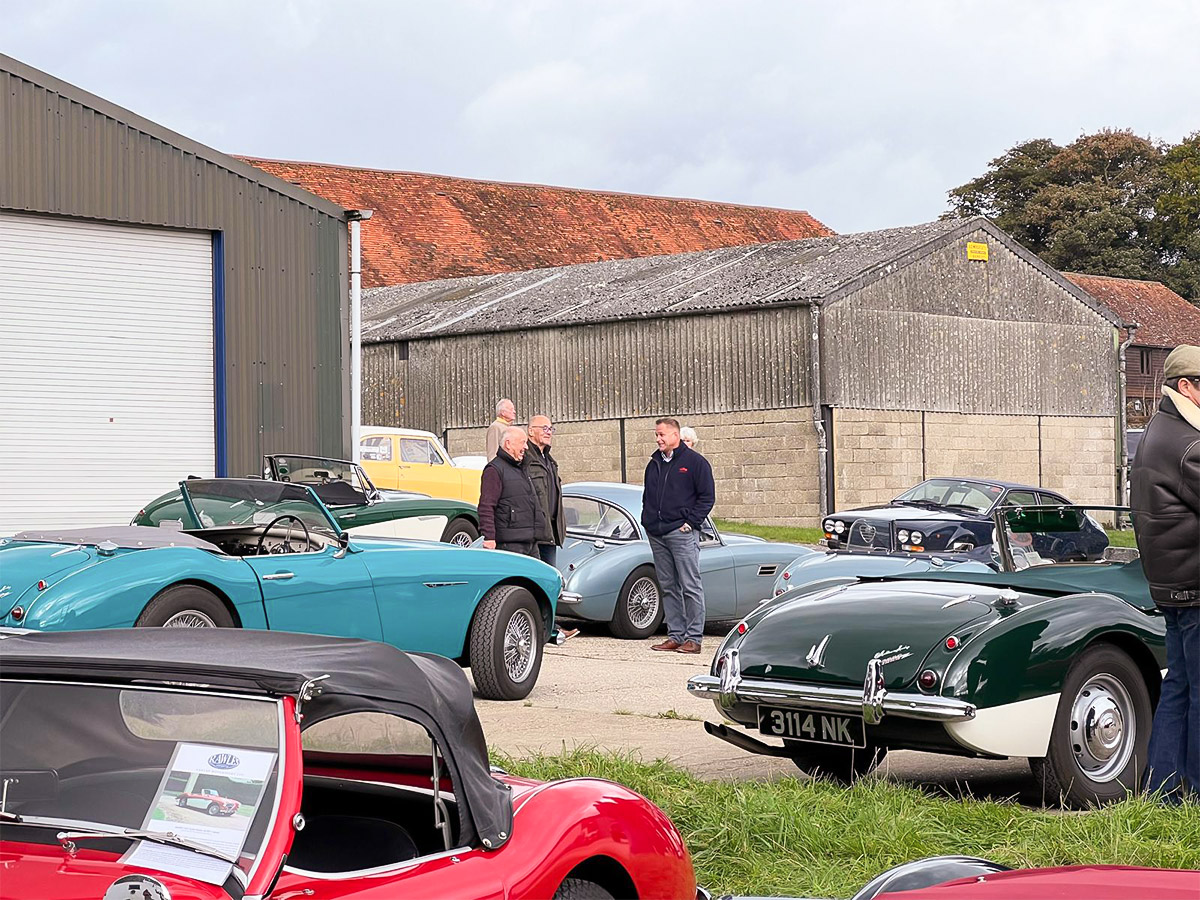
1164 318
436 226
785 272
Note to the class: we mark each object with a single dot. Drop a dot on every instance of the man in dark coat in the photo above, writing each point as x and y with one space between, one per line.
677 496
1165 497
510 515
542 469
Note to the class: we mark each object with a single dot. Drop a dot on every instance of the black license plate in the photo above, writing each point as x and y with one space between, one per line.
812 725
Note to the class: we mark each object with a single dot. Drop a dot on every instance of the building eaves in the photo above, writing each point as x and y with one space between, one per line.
167 136
729 279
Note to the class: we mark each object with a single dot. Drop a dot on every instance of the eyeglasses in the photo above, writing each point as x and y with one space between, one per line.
547 429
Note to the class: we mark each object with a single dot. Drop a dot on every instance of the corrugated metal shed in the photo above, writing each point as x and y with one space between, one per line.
782 273
66 152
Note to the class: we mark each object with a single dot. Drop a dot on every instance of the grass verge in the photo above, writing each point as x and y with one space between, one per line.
794 837
796 535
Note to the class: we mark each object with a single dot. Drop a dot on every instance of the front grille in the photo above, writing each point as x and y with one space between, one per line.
869 534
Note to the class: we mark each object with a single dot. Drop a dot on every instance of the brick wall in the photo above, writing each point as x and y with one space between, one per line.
1079 457
876 453
1001 447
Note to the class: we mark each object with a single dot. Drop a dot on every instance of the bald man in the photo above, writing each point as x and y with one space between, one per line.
542 469
510 515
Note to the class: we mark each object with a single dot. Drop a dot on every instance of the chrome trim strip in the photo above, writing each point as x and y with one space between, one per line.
904 705
438 584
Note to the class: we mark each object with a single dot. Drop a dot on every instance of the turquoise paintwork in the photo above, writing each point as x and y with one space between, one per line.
377 589
730 564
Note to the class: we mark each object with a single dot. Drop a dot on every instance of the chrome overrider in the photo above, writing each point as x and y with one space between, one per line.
729 689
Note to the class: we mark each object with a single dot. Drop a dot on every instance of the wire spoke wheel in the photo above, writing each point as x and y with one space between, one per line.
189 618
519 650
461 539
1103 727
643 603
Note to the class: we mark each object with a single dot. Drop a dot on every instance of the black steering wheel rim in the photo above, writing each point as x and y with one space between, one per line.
258 550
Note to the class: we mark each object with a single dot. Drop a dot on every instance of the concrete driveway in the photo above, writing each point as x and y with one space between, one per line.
597 691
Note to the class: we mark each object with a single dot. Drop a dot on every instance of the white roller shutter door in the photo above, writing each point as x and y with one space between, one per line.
106 368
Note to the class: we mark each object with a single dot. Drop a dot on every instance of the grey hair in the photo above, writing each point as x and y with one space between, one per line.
687 432
500 404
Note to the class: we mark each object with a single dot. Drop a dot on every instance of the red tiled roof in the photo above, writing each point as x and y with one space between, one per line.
1164 318
427 227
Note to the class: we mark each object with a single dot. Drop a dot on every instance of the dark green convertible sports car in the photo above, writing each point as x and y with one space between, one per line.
1057 662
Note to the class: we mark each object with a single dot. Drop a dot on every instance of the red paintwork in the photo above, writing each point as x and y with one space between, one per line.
1067 883
224 802
556 827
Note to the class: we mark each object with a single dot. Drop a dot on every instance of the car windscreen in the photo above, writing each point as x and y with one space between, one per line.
954 493
222 503
1046 535
597 519
336 482
199 765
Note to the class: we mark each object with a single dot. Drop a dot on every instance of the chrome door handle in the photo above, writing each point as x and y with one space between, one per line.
279 576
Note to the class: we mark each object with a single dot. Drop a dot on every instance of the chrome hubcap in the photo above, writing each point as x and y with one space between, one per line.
189 618
462 539
519 649
643 602
1103 732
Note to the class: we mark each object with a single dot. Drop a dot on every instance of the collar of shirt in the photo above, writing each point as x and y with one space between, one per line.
667 454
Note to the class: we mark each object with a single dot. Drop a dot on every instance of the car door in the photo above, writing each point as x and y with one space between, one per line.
717 573
377 453
423 469
318 593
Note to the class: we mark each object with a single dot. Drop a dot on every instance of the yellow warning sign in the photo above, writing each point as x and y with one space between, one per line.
976 250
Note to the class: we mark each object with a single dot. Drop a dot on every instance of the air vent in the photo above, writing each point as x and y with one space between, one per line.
765 571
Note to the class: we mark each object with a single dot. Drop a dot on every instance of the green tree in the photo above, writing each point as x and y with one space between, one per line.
1109 203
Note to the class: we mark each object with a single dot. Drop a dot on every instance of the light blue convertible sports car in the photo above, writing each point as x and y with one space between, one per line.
271 555
609 569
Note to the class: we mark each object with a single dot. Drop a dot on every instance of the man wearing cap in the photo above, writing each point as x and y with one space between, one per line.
1165 497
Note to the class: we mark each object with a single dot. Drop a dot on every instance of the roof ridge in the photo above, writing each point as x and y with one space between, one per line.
527 184
1121 278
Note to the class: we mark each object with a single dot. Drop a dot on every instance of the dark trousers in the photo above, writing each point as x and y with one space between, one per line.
1173 766
527 548
548 553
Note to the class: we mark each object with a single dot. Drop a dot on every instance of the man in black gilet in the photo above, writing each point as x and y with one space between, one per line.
510 515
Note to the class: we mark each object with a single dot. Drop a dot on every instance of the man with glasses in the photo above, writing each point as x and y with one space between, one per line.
1165 497
542 469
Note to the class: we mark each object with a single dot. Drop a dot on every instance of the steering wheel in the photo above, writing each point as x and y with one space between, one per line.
287 538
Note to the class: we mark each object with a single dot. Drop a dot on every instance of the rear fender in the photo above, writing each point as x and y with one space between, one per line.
113 594
1026 653
599 578
589 828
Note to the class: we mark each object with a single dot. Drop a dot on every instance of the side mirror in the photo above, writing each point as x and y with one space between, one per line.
343 545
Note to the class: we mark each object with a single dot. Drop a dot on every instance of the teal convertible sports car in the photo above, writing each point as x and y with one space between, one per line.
271 555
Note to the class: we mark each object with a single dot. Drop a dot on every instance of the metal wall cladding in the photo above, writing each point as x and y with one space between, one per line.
951 335
665 366
286 310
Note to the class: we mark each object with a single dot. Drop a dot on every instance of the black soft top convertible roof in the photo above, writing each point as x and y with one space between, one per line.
364 676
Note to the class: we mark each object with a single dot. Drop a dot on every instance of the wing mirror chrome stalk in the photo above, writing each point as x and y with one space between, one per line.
343 546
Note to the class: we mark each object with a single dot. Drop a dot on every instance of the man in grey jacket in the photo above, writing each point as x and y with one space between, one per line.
542 469
1165 497
506 414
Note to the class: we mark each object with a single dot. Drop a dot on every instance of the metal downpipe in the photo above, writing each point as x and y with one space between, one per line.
1122 417
814 311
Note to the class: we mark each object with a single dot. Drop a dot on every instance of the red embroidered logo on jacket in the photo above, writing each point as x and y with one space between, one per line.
683 468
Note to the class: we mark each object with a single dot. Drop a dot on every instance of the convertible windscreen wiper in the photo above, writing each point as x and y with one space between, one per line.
68 838
931 503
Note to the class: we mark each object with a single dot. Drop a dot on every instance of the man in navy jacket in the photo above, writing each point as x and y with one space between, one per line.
677 497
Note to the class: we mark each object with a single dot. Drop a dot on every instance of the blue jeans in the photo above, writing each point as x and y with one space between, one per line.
1173 766
677 566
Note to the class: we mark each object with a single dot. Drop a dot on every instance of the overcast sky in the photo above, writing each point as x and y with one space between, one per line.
862 113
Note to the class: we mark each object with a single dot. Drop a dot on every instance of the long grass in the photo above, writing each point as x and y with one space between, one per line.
795 837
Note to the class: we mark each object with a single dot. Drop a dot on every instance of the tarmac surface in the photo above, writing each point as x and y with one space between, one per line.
599 691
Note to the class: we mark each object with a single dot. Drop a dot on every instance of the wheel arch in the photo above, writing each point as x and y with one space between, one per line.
608 874
539 596
223 597
1141 655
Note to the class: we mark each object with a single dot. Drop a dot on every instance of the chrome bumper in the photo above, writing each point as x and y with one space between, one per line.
872 702
569 598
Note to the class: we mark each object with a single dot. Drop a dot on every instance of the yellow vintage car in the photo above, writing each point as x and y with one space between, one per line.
404 459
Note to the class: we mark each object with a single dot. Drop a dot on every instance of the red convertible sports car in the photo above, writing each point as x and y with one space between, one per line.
208 800
361 772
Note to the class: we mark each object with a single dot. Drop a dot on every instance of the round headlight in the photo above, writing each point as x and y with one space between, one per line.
839 527
916 537
829 524
902 535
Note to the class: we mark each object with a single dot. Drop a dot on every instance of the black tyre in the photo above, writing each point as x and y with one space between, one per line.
460 532
180 801
843 765
506 643
214 809
185 606
639 610
1100 734
579 889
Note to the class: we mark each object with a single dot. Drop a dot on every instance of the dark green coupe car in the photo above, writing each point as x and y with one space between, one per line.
1060 663
359 506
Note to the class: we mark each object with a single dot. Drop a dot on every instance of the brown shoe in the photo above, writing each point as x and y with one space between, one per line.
668 644
688 647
